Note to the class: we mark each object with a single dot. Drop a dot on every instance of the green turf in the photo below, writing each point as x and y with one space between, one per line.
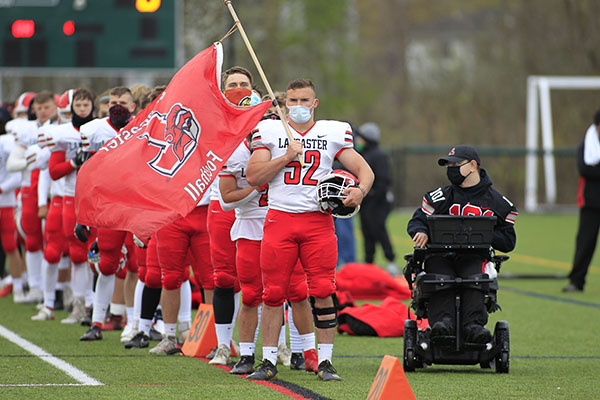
554 344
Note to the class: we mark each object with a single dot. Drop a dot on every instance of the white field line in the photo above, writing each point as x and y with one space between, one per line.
80 376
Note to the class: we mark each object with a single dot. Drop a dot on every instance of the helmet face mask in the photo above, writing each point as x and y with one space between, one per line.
330 194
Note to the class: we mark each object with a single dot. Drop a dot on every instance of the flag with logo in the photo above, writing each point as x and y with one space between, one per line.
158 167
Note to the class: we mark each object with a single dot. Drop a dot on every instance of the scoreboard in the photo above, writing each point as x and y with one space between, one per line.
88 33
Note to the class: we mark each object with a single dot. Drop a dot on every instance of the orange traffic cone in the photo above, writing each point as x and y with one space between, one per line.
390 382
203 336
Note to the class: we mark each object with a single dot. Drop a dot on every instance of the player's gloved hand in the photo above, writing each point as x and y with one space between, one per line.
82 232
138 242
80 157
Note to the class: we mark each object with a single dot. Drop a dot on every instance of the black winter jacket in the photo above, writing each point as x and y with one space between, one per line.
588 194
378 161
480 199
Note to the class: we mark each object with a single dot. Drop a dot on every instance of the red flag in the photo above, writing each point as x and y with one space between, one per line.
159 166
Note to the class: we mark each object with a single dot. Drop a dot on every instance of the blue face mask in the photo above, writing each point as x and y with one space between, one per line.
300 114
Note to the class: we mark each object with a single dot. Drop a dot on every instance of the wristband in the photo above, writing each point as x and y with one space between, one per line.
361 189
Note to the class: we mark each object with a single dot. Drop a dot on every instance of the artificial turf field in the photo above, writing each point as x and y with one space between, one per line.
555 349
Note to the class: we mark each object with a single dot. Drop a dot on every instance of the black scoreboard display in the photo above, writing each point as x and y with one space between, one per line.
88 33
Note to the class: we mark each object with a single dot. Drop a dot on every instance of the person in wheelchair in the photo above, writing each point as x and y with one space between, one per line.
470 193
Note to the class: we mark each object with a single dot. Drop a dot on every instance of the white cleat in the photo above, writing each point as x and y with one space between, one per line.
78 313
222 356
184 330
129 332
168 346
45 314
284 355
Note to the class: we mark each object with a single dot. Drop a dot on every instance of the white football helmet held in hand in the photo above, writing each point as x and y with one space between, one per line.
330 193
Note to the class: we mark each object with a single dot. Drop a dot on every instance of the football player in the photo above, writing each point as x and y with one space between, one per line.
294 227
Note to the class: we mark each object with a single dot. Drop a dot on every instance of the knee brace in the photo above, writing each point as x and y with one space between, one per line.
324 324
273 296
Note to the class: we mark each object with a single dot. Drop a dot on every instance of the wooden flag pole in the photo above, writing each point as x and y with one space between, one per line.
260 72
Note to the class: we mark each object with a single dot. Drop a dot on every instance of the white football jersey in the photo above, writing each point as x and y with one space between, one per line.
294 189
66 138
95 133
251 211
9 181
14 125
26 133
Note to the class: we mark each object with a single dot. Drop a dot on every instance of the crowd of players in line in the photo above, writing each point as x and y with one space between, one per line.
110 280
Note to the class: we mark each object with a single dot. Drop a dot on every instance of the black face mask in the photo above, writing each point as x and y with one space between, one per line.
118 116
77 121
454 175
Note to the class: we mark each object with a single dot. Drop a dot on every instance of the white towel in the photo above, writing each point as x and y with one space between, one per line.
591 147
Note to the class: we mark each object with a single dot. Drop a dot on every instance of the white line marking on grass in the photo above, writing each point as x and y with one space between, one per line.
41 384
78 375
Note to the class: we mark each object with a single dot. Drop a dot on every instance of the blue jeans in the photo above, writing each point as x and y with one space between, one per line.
344 230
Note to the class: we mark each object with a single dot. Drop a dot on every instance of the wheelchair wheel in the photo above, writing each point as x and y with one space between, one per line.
410 341
502 338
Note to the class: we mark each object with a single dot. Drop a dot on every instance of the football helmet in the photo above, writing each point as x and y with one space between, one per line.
64 105
330 193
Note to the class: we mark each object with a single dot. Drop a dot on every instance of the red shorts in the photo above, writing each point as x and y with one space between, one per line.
288 237
250 276
78 251
8 229
222 248
174 243
56 245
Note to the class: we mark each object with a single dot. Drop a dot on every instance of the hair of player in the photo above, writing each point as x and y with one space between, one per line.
597 118
235 70
156 91
43 97
301 84
279 96
83 93
140 92
120 91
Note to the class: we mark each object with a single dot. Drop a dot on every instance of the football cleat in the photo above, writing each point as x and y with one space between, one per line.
140 340
222 356
128 332
327 372
78 313
155 335
113 323
266 371
211 354
94 333
297 362
284 355
243 367
45 314
168 346
311 361
19 297
183 331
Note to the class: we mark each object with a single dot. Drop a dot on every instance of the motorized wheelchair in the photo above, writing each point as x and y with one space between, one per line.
449 236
